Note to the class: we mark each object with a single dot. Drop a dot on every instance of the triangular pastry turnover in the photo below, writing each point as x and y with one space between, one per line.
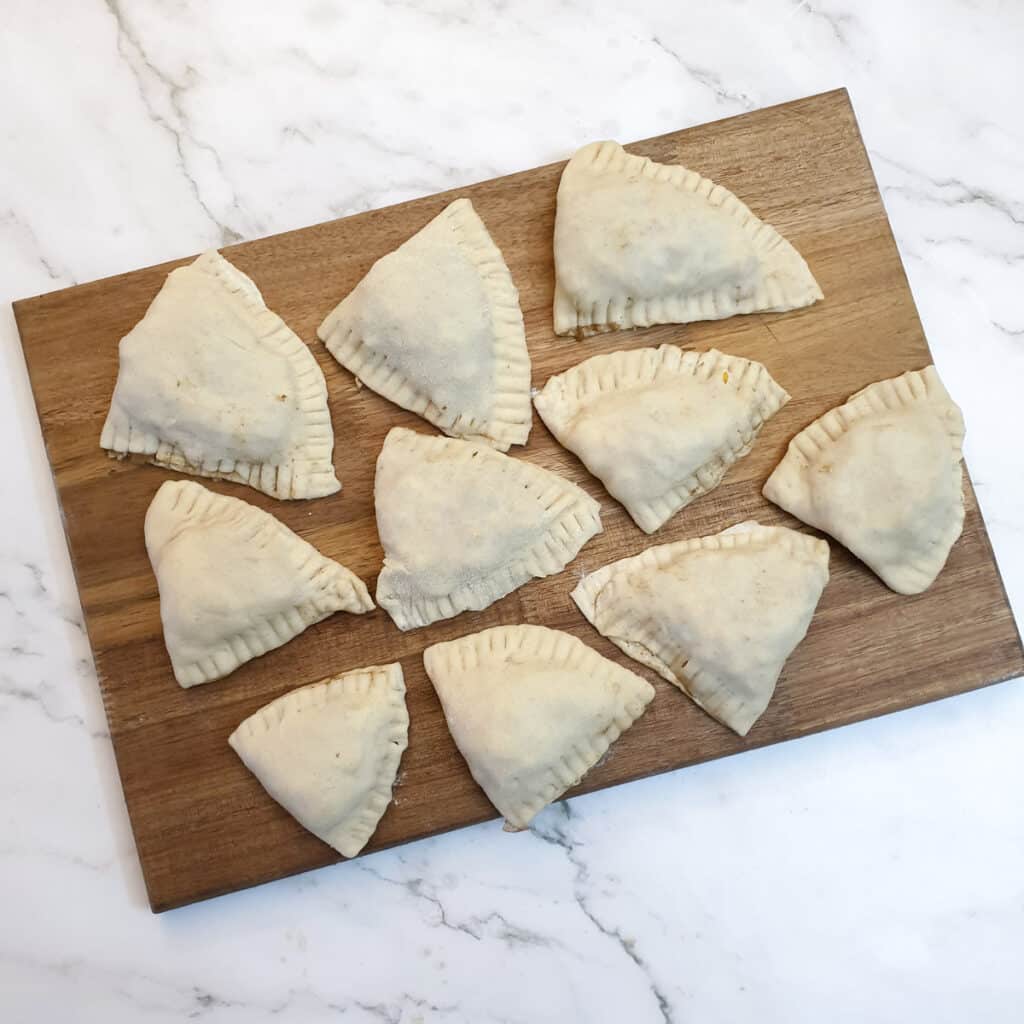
639 243
532 710
717 616
882 475
659 426
328 753
234 581
435 327
213 383
463 525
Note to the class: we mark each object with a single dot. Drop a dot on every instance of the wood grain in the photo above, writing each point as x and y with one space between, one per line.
202 824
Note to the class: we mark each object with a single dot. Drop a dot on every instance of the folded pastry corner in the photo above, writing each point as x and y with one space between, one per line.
882 474
640 243
211 382
717 616
531 710
435 327
659 426
234 581
329 752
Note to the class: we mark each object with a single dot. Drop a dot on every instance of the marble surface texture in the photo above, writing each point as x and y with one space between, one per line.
869 874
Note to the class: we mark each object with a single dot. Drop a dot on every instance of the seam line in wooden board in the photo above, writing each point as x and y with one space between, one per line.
202 824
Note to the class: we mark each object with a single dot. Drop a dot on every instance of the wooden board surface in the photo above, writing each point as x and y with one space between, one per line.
202 824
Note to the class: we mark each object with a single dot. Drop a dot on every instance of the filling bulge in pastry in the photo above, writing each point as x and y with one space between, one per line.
640 243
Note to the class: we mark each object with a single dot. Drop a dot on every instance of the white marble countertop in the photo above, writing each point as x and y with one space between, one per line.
871 873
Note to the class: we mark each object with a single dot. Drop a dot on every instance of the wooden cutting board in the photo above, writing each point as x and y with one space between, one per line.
202 824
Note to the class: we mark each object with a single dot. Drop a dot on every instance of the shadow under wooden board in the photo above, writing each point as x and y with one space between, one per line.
203 825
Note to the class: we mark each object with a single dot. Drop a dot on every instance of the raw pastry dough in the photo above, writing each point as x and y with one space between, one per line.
659 426
213 383
328 753
462 525
639 243
717 616
532 710
435 327
234 581
882 475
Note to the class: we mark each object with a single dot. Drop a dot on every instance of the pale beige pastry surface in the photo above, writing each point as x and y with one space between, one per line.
717 616
659 427
882 475
211 382
435 327
463 525
532 710
640 243
329 752
234 581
